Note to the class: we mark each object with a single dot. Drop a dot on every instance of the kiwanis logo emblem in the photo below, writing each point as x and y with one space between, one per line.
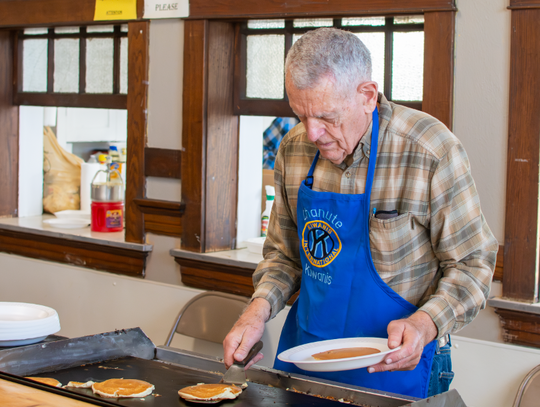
320 243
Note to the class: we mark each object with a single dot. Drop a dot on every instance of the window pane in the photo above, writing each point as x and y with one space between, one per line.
66 65
265 66
124 28
408 66
313 22
124 65
372 21
265 24
67 30
35 31
375 43
100 29
296 37
35 65
409 20
99 65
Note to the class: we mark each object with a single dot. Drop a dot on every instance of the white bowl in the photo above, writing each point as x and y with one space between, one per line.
21 321
301 355
67 223
72 214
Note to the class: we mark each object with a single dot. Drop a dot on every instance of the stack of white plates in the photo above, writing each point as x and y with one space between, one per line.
22 323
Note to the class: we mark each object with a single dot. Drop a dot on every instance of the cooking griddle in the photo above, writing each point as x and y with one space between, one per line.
168 379
130 354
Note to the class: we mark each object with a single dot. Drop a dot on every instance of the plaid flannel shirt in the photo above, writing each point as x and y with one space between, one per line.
439 253
272 137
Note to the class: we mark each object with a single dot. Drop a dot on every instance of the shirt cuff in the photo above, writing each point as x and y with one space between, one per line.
272 294
441 314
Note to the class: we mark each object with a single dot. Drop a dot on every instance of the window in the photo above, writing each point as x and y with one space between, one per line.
396 45
72 66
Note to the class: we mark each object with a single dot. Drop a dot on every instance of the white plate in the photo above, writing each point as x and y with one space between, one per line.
67 223
21 321
22 342
301 355
72 214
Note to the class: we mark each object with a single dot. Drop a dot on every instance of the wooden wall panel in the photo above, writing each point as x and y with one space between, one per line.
300 8
439 65
521 225
194 133
523 4
161 162
222 141
9 131
137 102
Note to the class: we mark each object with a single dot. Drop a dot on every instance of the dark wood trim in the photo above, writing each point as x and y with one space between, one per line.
262 107
520 328
439 35
9 128
194 133
163 163
523 4
71 100
50 62
83 254
498 274
521 224
218 277
16 13
160 207
203 9
137 105
163 225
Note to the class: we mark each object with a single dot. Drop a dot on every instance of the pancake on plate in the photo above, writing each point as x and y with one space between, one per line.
210 392
123 388
80 385
46 380
345 353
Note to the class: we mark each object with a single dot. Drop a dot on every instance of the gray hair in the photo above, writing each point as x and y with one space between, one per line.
329 51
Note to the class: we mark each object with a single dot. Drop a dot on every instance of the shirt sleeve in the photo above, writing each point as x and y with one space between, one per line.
277 277
463 243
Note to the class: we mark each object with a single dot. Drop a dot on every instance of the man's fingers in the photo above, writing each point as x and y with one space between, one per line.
259 356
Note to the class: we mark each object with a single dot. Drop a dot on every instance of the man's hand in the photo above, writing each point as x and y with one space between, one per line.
247 331
414 333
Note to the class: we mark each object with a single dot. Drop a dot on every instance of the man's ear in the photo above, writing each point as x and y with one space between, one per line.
369 91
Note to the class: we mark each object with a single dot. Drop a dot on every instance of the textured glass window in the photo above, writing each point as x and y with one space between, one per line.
375 43
265 70
67 30
409 20
296 37
66 65
124 65
408 66
124 28
313 22
35 65
99 65
35 31
370 21
265 24
100 29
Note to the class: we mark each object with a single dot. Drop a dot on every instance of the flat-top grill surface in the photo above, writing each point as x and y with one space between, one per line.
168 379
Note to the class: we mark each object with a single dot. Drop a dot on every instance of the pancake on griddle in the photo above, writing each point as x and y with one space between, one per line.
46 380
80 385
344 353
123 388
210 392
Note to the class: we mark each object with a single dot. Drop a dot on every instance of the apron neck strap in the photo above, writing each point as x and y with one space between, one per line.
372 154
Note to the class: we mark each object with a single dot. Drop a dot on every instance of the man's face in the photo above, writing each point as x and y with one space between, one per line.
335 122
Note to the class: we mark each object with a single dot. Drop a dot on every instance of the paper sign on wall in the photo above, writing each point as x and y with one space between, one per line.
115 10
166 8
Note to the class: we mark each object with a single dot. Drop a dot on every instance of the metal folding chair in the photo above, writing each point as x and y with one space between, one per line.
209 316
528 394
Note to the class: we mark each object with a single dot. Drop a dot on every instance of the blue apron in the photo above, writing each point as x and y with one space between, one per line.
341 293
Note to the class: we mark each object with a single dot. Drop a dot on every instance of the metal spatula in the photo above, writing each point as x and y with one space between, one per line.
236 373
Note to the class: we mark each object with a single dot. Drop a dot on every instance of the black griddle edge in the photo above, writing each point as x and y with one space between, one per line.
56 390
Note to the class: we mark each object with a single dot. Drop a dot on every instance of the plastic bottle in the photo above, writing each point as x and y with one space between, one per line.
265 217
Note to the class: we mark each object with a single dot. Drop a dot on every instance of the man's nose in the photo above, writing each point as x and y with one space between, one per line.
314 128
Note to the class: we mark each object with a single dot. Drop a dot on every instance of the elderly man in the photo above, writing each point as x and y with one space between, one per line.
376 219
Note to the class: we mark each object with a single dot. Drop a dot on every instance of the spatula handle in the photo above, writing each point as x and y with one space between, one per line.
254 350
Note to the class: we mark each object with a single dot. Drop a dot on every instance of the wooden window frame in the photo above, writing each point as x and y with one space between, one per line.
210 124
280 107
113 100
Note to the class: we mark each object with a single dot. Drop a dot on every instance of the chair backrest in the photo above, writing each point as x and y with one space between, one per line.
209 316
528 394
